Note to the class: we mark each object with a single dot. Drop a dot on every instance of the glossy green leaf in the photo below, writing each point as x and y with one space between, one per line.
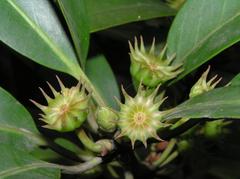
101 75
108 13
76 18
235 81
32 28
218 103
203 29
18 137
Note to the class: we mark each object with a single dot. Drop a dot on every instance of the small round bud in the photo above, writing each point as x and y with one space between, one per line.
214 129
184 145
149 68
106 146
203 85
106 119
67 110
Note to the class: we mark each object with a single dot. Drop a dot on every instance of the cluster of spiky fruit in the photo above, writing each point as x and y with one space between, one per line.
139 116
67 110
150 68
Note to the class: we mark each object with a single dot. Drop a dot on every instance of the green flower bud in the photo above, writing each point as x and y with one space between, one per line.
149 68
184 145
214 129
139 117
106 146
106 119
67 110
202 85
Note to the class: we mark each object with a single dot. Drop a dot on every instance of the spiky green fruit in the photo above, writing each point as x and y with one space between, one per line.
203 85
149 68
67 110
139 117
106 119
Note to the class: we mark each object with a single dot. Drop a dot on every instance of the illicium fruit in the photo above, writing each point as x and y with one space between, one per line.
148 67
203 85
139 117
67 110
211 129
107 119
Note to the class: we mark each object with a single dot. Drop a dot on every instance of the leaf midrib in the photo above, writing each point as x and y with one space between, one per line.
36 138
46 39
181 109
198 45
23 168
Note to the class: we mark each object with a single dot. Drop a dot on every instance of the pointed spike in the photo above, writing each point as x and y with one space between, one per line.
162 53
41 119
205 74
141 92
52 89
154 93
131 47
215 84
118 101
211 80
177 68
171 58
160 96
132 143
162 101
79 85
121 134
159 103
152 49
45 95
155 136
40 106
136 44
41 115
47 127
126 96
116 134
60 83
142 48
145 143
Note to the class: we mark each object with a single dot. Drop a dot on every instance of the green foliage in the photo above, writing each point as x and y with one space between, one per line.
33 29
108 13
101 75
19 137
218 103
201 30
56 34
74 12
